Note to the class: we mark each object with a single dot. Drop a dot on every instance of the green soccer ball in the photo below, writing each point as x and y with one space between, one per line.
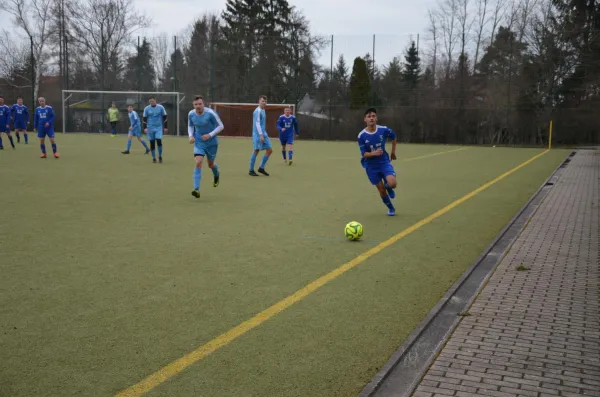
353 231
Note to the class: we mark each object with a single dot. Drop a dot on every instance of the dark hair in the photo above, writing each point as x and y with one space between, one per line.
370 110
198 97
19 97
152 97
262 97
1 97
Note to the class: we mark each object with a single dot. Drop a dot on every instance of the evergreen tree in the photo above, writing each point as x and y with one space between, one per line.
391 82
360 84
340 82
174 72
140 75
412 67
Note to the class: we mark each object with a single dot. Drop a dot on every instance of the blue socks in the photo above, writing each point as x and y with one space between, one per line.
291 154
128 146
12 143
153 151
388 203
1 145
390 191
283 154
54 148
197 177
26 138
143 143
160 151
43 147
215 170
252 160
264 161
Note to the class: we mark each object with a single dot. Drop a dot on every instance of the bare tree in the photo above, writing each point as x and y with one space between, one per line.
161 50
464 23
16 52
448 21
33 17
433 29
497 16
482 21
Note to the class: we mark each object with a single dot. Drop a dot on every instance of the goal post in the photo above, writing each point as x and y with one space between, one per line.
86 111
237 117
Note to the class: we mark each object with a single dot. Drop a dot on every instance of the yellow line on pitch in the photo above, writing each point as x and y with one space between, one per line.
222 340
434 154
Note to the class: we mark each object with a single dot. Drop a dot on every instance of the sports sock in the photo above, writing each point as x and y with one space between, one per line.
197 177
152 149
18 136
388 202
252 160
26 137
145 144
215 170
43 147
291 154
283 154
159 143
1 145
264 161
128 145
12 143
54 148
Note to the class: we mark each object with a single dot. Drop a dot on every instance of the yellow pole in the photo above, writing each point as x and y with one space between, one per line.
550 137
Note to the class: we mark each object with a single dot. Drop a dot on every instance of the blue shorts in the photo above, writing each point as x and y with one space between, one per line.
155 134
135 132
258 145
287 137
21 125
208 151
45 132
4 129
379 172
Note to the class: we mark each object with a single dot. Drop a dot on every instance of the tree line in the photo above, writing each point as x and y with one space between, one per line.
484 72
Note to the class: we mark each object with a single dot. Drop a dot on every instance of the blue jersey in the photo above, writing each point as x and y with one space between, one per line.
371 142
20 114
134 120
206 123
289 123
42 116
154 117
259 122
4 117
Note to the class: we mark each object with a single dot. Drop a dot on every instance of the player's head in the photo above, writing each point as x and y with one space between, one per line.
152 101
371 117
130 108
287 111
198 103
1 100
262 101
42 101
19 100
114 105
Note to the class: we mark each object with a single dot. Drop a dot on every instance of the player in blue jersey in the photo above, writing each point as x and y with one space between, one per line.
44 123
260 139
287 126
155 123
135 130
203 126
20 116
5 123
376 160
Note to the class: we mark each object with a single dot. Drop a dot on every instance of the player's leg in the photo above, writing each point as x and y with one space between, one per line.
54 147
18 134
199 159
152 140
211 155
375 177
290 145
283 141
269 150
113 128
10 138
42 137
256 148
22 128
143 142
159 136
389 179
128 144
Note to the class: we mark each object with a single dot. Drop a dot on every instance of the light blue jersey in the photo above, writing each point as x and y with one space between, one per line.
154 121
136 127
259 127
199 125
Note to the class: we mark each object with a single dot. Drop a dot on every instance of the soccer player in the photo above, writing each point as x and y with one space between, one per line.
5 123
203 126
20 116
44 122
113 118
155 123
260 138
287 125
135 130
376 160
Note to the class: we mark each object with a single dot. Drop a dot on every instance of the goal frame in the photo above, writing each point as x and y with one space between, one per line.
180 97
291 105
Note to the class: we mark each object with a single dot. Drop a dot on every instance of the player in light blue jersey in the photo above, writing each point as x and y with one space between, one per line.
155 123
44 123
376 161
20 115
260 139
5 123
204 125
135 130
287 126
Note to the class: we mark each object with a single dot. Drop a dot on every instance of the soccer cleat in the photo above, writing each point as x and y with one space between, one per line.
56 155
285 161
391 212
290 163
1 148
113 135
125 152
262 171
160 160
147 151
216 181
252 173
43 156
196 193
154 161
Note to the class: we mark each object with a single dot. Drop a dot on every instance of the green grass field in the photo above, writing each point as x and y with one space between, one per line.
111 270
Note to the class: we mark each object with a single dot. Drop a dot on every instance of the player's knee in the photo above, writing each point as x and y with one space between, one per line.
381 189
391 181
159 142
152 144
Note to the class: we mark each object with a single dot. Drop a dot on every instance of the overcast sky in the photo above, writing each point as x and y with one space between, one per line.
353 26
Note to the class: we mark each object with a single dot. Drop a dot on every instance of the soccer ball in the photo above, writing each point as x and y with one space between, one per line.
353 231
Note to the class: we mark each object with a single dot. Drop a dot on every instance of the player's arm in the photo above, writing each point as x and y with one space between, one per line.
280 124
295 123
392 135
51 115
219 125
136 120
13 111
258 127
164 117
364 150
191 130
26 115
35 119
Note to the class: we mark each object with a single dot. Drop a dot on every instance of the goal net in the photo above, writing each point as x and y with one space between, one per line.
237 117
87 111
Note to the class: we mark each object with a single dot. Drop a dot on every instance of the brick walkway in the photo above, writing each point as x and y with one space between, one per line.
536 332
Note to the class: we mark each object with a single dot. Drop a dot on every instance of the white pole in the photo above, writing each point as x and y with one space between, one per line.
177 107
64 122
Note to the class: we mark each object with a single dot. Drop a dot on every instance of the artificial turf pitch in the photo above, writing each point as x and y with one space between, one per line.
111 270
